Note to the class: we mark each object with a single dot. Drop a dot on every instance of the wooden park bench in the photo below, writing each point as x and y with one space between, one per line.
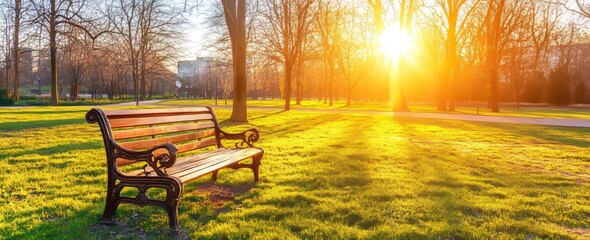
153 137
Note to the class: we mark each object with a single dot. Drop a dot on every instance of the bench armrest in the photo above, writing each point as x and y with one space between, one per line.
154 160
248 137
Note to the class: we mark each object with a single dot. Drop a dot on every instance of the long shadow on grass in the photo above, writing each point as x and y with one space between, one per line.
455 182
536 131
56 112
62 148
336 162
23 125
547 133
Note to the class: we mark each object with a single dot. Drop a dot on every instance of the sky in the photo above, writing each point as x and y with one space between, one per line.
195 37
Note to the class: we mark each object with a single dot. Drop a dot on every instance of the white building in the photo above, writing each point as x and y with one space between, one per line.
195 68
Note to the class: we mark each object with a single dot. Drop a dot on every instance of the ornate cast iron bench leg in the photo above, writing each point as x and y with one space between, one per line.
173 196
110 204
256 166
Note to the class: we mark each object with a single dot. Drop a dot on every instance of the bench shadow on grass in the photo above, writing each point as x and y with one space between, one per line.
84 224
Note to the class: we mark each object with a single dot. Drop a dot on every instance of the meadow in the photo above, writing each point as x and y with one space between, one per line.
324 175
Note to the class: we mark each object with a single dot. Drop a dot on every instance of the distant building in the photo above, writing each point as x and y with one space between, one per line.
194 68
198 76
187 69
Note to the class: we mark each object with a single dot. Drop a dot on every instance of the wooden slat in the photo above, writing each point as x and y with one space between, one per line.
197 145
114 114
194 166
210 166
148 143
186 160
133 122
143 132
187 167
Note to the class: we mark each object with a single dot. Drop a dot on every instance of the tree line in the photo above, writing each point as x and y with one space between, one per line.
481 50
114 47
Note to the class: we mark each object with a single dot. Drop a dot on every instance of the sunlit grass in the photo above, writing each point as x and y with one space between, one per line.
468 108
325 175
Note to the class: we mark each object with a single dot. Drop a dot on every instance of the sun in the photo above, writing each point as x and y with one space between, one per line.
396 42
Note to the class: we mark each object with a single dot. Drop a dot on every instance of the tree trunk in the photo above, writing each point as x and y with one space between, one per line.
17 11
288 69
235 18
331 79
442 93
494 89
142 74
54 101
397 96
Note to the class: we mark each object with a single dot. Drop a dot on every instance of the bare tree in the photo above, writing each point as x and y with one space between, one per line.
356 53
288 24
455 15
55 15
502 20
327 22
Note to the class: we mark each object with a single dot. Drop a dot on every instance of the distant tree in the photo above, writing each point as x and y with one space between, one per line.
356 54
455 14
16 48
502 20
287 26
60 13
327 20
558 92
150 30
583 8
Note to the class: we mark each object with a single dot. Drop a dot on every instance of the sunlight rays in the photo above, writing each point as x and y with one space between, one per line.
395 42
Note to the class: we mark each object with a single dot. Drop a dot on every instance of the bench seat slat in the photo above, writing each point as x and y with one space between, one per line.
144 132
194 163
134 122
148 143
219 161
191 167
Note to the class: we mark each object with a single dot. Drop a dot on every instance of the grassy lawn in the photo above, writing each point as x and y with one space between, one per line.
524 111
324 175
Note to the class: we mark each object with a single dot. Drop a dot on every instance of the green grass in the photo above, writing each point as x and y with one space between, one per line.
524 111
325 175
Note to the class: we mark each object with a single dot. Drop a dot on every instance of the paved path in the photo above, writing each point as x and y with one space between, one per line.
462 117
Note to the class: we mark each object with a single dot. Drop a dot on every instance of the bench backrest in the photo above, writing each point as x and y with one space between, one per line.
187 128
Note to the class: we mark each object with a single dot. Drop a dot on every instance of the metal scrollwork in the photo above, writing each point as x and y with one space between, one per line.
248 137
158 163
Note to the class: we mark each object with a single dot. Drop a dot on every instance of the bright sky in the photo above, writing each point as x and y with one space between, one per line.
195 36
191 48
